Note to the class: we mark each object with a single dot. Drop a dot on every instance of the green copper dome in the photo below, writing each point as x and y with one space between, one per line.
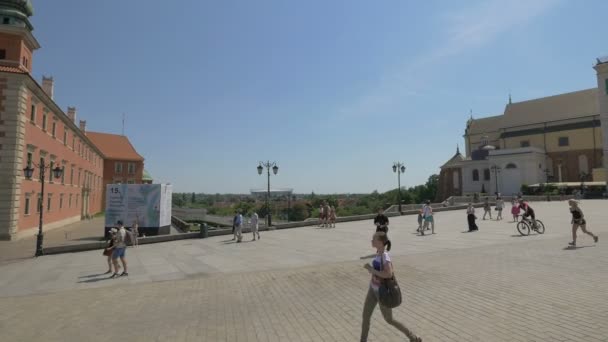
16 13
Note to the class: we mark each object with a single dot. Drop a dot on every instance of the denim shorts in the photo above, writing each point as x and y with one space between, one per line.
118 253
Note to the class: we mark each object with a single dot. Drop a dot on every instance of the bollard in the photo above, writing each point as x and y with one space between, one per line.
204 231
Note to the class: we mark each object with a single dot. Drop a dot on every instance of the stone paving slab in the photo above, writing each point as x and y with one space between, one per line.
307 284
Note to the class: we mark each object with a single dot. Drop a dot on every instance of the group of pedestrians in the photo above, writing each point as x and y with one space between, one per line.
426 220
327 215
237 226
116 249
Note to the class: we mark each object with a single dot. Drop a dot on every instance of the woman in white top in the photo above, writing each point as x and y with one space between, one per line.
500 204
381 267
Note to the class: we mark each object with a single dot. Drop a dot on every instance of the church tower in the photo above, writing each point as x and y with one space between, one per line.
17 43
602 91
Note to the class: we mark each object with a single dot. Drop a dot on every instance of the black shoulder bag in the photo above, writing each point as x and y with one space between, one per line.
389 292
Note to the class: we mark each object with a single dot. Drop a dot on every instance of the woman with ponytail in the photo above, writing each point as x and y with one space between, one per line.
380 268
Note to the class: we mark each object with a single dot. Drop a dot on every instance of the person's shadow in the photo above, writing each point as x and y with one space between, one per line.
572 248
93 278
368 256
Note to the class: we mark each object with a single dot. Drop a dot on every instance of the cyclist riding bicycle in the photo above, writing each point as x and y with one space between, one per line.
528 211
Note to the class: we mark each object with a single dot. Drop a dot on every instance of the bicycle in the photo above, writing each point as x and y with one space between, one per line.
525 225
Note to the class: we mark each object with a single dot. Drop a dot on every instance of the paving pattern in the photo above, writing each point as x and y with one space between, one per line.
308 284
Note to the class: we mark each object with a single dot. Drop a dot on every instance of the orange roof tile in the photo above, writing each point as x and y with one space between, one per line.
114 146
14 70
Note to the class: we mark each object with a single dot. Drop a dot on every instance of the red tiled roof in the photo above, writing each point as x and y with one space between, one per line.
114 146
14 70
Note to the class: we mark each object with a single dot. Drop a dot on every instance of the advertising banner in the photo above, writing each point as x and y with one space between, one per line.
147 204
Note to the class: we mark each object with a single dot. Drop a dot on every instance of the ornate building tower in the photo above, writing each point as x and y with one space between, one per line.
17 43
602 95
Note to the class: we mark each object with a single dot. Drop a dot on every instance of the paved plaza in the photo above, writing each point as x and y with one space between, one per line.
308 284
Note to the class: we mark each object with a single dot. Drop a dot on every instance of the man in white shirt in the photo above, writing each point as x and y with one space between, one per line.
119 249
254 225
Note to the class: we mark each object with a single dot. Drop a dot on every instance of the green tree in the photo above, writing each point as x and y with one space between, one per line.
184 197
298 212
193 199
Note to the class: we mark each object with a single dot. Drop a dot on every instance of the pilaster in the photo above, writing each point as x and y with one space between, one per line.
13 107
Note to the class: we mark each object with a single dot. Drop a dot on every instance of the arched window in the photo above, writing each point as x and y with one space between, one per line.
583 164
475 175
486 174
511 166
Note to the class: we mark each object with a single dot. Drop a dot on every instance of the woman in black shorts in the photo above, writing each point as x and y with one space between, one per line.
578 220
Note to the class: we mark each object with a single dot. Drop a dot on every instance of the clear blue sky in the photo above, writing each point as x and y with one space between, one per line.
334 91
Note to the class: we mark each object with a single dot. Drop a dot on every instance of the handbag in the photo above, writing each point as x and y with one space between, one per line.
107 251
389 293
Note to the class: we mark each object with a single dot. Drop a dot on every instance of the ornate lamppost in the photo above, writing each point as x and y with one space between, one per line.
28 172
496 169
399 168
275 169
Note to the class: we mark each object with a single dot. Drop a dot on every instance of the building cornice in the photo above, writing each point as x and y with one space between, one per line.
24 33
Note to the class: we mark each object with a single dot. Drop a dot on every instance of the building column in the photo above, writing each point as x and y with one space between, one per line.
602 86
13 100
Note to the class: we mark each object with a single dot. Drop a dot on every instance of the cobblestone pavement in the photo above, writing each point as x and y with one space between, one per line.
308 284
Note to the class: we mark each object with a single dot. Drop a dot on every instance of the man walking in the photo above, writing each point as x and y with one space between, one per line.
238 227
119 250
236 214
254 225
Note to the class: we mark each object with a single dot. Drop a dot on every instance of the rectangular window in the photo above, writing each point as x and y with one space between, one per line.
131 167
39 203
524 143
73 143
79 174
70 201
44 117
77 200
2 51
63 174
33 113
72 175
29 159
118 168
54 130
65 135
131 181
48 203
563 141
60 201
27 205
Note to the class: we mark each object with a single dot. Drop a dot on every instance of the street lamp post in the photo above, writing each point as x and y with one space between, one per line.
496 169
275 169
399 168
28 172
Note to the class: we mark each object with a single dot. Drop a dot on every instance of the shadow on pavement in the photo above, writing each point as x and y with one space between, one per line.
93 275
368 256
94 280
572 248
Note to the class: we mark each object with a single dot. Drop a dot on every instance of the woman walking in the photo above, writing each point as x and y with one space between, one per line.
380 268
471 218
427 214
135 233
500 204
332 217
109 249
578 220
514 210
487 208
